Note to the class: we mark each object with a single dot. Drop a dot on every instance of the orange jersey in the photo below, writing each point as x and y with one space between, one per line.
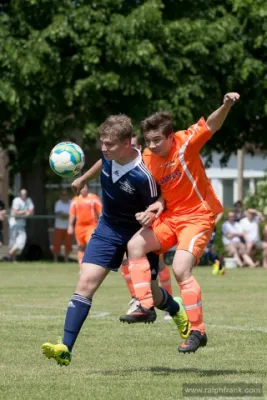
86 209
184 184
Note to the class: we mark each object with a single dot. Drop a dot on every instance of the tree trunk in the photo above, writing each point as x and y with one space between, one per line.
37 229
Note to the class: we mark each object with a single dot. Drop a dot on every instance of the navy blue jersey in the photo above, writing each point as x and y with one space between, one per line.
126 190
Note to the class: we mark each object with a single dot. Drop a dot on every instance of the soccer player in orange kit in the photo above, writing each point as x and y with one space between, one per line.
84 212
190 206
164 272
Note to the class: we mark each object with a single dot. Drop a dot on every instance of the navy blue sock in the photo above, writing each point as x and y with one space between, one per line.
168 304
77 312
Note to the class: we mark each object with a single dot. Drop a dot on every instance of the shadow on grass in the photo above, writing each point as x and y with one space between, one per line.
172 371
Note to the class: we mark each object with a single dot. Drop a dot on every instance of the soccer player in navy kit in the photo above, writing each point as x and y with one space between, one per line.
127 188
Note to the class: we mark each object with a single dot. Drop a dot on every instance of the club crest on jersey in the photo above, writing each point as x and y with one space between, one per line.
168 164
127 187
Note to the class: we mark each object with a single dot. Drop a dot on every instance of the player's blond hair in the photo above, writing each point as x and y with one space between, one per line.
119 126
159 122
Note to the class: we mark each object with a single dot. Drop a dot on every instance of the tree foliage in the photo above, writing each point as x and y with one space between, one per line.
258 200
66 65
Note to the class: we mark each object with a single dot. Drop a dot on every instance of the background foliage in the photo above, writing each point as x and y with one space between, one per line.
66 65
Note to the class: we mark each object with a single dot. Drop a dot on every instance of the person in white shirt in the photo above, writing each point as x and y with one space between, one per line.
233 240
250 226
61 236
22 207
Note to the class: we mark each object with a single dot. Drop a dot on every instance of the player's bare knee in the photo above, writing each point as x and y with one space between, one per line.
182 266
86 286
136 248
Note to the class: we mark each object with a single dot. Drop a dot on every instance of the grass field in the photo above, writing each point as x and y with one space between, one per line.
118 361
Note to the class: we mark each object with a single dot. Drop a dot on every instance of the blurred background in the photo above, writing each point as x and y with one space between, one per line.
67 65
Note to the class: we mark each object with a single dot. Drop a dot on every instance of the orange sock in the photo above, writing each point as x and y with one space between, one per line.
191 296
165 279
140 273
126 275
80 257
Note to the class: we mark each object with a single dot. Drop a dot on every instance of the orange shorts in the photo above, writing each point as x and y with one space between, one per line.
188 232
83 233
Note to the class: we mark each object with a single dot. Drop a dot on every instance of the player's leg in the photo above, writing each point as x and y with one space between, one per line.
192 240
164 276
143 242
102 254
165 281
140 313
78 309
127 278
173 306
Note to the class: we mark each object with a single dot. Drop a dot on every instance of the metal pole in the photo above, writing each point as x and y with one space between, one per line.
240 177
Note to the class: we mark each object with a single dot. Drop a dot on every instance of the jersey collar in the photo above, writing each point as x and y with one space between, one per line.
119 170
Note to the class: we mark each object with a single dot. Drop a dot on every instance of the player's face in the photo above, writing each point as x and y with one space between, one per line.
113 148
158 143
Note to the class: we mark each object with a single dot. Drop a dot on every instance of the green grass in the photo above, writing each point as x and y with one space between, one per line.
119 361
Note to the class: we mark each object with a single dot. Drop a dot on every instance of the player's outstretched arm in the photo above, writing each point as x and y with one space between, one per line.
91 174
216 119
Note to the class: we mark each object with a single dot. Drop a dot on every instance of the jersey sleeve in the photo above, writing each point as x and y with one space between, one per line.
72 210
197 135
149 189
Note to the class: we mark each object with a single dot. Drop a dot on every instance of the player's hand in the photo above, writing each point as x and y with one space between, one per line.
77 185
157 207
231 98
145 218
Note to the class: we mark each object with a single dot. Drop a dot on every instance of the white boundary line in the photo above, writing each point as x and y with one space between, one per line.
103 314
94 314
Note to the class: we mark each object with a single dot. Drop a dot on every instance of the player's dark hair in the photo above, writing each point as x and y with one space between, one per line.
119 126
160 122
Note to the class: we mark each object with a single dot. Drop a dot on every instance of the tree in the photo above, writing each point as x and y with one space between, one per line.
84 60
69 64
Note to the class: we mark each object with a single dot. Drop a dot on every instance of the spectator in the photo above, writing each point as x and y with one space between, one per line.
22 207
250 226
233 240
61 236
2 217
238 210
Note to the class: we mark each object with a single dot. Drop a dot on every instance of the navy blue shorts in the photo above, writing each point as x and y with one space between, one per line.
108 245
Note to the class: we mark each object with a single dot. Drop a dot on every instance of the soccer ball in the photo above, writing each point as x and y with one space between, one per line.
66 159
